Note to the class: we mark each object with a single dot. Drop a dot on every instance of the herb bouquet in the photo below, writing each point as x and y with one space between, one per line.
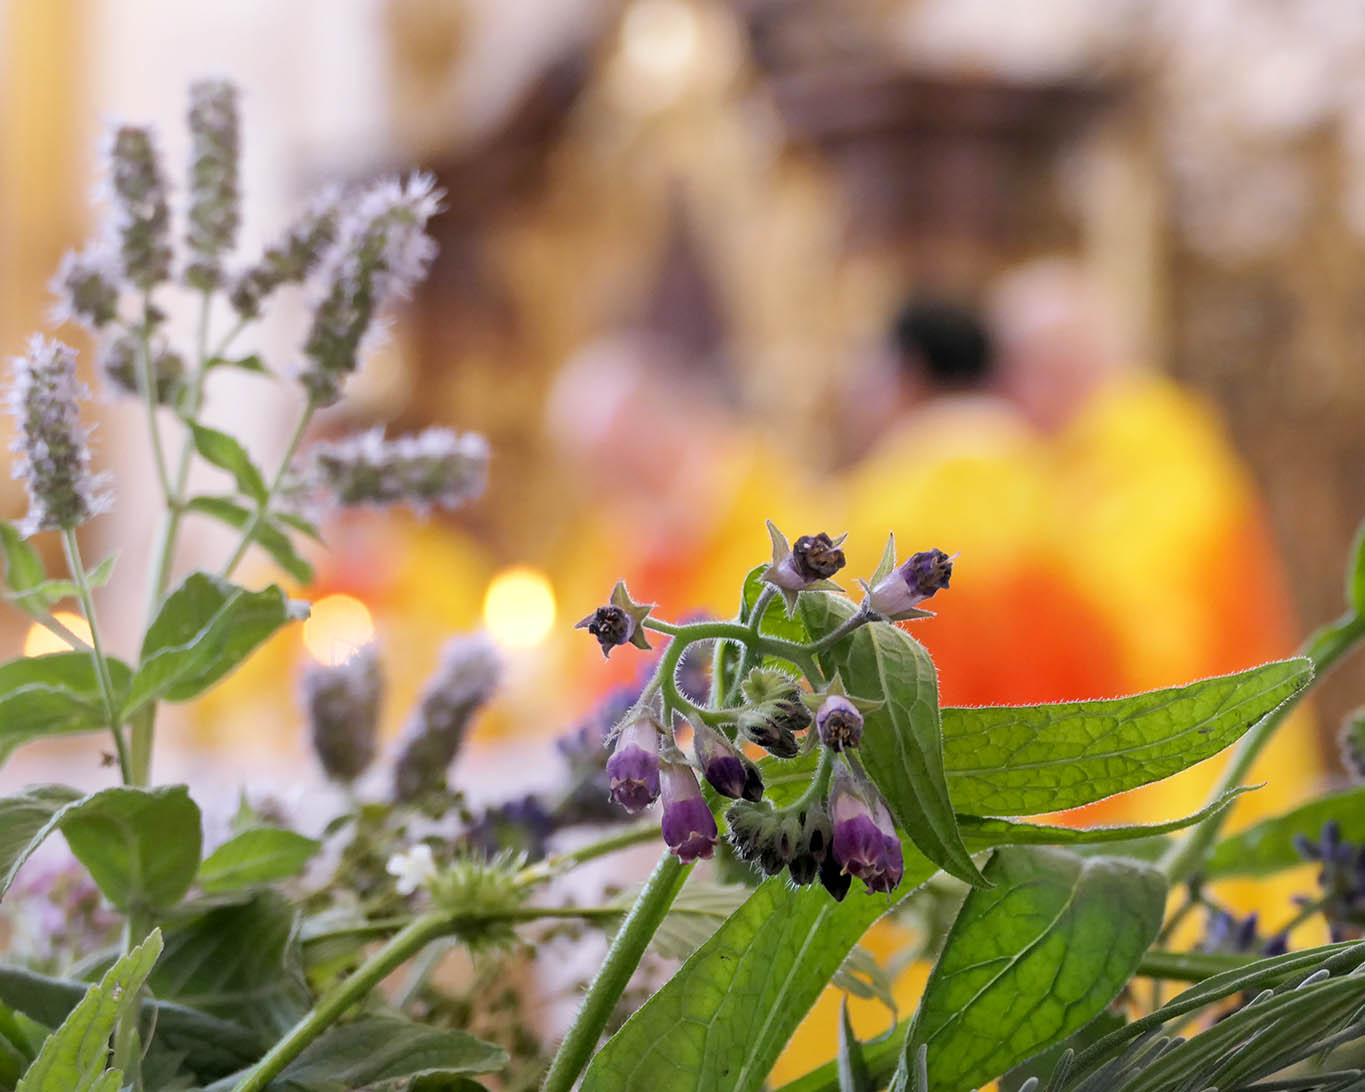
270 962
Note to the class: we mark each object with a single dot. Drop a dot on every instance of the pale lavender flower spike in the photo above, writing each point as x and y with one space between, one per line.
142 217
343 702
295 257
214 212
87 287
434 468
52 444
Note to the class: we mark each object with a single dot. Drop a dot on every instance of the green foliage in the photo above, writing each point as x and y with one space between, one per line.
53 695
258 856
1031 960
1268 846
1355 573
228 454
73 1058
722 1020
268 535
206 627
854 1076
902 745
25 820
373 1051
250 363
24 569
140 846
239 963
1022 760
775 620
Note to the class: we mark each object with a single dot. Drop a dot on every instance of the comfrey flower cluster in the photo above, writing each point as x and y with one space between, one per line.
841 827
52 444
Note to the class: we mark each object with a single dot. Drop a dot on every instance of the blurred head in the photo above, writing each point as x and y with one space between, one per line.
1058 341
941 345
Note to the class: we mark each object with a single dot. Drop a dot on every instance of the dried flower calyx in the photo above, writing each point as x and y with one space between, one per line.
896 591
618 622
807 565
839 716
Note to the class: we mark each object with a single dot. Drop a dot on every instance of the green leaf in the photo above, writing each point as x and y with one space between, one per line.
140 846
74 1057
1355 575
1022 760
225 452
267 535
1032 960
23 566
205 1046
720 1022
298 523
1043 1064
853 1072
263 855
1269 845
775 621
54 695
206 627
251 363
902 745
379 1049
238 962
25 820
47 593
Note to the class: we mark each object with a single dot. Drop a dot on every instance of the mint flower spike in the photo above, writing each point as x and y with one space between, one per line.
215 200
838 715
688 826
293 258
343 703
52 444
142 216
633 768
803 567
86 285
436 467
620 621
118 361
895 591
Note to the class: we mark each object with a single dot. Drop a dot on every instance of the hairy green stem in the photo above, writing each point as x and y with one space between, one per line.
147 381
638 834
842 630
52 625
624 955
262 509
1325 648
82 582
791 651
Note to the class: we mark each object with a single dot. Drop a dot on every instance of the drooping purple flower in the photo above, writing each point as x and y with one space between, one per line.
907 586
633 768
689 828
865 842
728 771
839 722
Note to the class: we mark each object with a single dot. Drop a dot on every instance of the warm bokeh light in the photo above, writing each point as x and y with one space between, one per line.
519 608
41 641
336 627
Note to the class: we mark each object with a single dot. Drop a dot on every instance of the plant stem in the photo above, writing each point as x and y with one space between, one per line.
1325 648
263 506
53 625
790 651
638 834
624 955
847 626
136 929
82 582
147 381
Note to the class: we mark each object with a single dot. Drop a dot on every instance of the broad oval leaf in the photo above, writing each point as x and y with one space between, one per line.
1022 760
227 453
23 565
73 1057
1031 960
140 846
54 695
1268 846
902 746
25 820
720 1022
263 855
206 627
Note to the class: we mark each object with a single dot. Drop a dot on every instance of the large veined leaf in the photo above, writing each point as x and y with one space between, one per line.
54 695
262 855
720 1022
206 627
25 820
140 846
74 1057
902 745
1031 960
1022 760
1269 845
376 1050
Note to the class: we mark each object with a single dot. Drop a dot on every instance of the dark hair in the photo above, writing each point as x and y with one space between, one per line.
943 340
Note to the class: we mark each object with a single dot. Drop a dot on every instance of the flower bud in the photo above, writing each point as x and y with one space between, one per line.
908 585
343 713
633 768
816 833
142 217
839 723
618 622
86 287
834 879
773 724
728 771
466 679
751 826
214 198
864 840
53 448
689 828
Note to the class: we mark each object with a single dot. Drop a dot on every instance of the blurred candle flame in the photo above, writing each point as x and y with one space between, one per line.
519 608
41 641
336 627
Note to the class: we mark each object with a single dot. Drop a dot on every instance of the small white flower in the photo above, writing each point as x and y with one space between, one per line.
413 869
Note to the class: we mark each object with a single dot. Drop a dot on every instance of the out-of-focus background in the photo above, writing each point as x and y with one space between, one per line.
1072 288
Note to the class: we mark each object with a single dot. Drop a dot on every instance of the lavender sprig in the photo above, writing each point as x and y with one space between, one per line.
343 702
437 467
142 217
214 196
293 259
